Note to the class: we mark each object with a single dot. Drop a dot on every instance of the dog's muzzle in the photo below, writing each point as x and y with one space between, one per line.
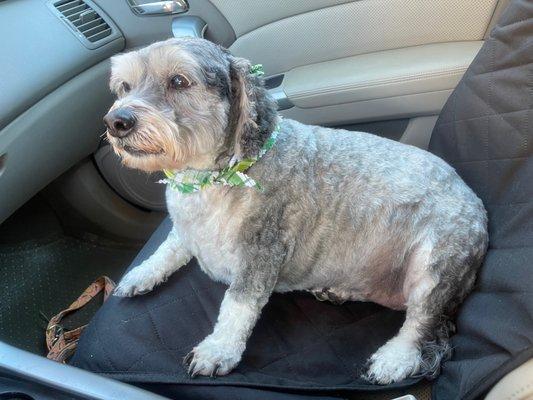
120 122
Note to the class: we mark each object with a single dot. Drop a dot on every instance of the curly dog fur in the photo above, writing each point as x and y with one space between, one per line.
346 215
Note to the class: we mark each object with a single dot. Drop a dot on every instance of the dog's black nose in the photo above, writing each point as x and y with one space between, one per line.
120 122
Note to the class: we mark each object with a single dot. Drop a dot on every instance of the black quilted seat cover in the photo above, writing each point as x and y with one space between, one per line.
298 343
485 131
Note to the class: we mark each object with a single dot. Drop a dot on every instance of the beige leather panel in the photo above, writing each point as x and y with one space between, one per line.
408 106
357 27
388 73
517 385
419 130
247 15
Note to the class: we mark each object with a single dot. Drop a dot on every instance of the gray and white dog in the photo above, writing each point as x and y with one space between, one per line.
346 215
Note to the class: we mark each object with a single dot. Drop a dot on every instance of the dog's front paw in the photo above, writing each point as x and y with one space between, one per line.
212 358
393 362
136 282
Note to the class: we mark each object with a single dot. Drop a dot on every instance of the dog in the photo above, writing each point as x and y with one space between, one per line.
348 216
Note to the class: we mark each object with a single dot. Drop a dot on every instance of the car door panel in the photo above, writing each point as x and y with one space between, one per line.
347 62
388 73
39 53
352 28
51 136
383 109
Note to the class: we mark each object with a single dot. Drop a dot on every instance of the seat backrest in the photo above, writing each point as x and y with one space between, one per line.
485 131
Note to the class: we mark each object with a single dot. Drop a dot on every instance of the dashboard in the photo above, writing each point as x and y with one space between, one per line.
54 85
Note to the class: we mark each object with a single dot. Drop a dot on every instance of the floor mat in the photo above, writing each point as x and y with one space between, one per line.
43 270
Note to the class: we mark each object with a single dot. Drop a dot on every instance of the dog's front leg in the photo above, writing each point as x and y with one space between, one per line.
168 258
221 351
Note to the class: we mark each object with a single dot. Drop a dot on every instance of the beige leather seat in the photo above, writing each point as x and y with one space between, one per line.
517 385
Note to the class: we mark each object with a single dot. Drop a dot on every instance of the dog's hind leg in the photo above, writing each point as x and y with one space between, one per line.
401 356
436 281
167 259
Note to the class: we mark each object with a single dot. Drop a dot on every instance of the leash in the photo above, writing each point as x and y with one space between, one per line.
62 343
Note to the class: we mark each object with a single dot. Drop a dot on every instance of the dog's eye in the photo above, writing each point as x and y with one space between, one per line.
125 87
179 82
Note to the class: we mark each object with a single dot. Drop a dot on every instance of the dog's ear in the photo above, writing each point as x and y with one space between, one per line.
253 111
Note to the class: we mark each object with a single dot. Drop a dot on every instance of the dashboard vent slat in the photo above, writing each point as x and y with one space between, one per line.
83 19
90 24
74 12
66 5
100 35
97 29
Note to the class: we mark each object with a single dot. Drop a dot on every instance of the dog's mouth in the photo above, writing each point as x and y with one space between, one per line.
140 152
122 145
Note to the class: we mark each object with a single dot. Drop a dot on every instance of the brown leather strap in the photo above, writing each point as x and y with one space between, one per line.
62 343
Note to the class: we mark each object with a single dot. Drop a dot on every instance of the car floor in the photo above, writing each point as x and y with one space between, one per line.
43 270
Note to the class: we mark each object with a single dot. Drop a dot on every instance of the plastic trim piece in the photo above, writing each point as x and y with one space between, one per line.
115 32
35 142
88 195
3 158
188 27
281 97
66 378
418 131
159 7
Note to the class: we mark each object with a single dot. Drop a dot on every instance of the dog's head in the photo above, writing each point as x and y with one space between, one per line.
186 103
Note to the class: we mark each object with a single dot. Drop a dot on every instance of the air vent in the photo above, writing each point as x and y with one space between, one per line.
86 21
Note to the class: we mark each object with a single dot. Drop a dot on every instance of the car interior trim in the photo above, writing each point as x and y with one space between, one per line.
378 27
158 7
188 26
53 135
68 379
407 106
389 73
43 54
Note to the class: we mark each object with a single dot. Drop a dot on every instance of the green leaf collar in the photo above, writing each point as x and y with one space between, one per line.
257 70
191 181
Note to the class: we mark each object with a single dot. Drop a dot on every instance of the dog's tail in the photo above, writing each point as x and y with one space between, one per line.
436 351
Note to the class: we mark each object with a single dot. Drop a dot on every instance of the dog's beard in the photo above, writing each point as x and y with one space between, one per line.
158 143
153 145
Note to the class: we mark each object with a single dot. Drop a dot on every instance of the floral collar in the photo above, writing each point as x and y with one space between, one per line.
191 181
